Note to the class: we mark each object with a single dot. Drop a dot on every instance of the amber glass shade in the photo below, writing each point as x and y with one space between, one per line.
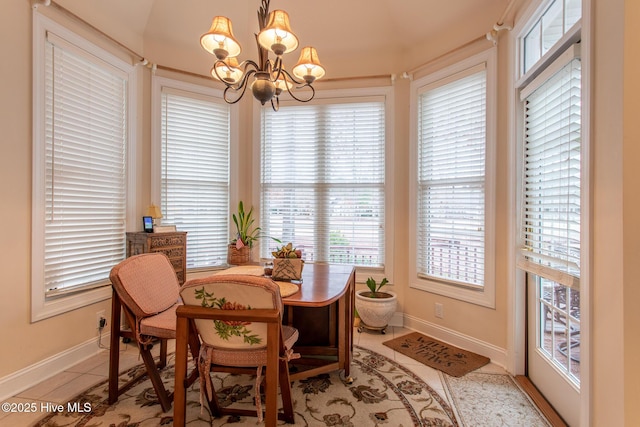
308 67
227 71
277 36
282 85
219 40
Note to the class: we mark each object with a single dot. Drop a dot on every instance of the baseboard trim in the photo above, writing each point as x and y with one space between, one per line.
397 319
25 378
496 354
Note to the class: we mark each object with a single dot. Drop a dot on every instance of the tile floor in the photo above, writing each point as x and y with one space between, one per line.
62 387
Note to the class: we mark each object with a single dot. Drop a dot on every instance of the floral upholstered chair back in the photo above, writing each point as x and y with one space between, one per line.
232 292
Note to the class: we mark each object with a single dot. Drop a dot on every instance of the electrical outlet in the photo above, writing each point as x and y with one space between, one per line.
439 310
101 319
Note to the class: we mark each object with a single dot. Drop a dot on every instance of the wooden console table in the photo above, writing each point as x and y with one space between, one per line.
172 244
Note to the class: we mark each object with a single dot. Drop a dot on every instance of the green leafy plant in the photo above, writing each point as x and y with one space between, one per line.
245 231
374 287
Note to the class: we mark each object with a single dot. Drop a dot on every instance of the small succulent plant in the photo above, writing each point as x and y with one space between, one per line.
287 251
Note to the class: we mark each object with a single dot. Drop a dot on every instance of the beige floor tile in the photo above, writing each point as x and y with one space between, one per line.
49 385
90 364
27 412
68 391
491 368
399 331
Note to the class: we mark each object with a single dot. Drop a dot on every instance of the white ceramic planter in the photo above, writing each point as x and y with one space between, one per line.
375 312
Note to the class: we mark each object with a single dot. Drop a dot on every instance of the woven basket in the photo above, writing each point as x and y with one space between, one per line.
237 256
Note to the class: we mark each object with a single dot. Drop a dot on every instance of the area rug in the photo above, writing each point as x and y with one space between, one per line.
383 394
486 399
451 360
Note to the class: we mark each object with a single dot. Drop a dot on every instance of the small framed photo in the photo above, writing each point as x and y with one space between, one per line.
147 224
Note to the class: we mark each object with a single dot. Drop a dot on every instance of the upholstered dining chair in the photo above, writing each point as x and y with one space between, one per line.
239 321
146 290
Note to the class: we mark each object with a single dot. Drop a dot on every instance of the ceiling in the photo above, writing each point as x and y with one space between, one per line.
339 29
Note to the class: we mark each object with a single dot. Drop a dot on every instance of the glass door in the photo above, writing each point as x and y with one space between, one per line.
553 356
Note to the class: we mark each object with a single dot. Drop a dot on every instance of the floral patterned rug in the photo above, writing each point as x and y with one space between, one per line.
383 394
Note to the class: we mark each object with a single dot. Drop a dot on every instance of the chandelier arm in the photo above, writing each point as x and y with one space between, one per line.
245 75
241 87
284 72
277 68
275 107
313 93
246 64
304 84
233 101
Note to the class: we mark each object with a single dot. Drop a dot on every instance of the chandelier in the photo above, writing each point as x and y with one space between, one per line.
267 77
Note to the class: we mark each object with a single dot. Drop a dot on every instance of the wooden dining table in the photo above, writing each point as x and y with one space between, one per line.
322 310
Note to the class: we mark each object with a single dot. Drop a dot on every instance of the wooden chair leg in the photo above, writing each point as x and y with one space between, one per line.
285 392
214 405
152 370
114 349
163 354
194 347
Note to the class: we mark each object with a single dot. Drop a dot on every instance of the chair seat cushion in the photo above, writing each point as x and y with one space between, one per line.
253 357
162 325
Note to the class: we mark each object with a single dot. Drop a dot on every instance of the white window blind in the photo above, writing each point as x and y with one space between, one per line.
85 181
451 179
195 173
323 180
551 195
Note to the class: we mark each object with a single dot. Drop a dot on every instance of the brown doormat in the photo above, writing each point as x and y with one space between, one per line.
449 359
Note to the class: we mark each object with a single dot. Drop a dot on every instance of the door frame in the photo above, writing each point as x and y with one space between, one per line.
516 285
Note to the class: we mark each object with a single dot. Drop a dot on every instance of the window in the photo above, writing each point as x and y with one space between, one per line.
193 144
550 229
555 21
81 128
453 207
323 183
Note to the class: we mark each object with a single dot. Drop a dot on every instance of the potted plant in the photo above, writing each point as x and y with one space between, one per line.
375 308
239 250
287 263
